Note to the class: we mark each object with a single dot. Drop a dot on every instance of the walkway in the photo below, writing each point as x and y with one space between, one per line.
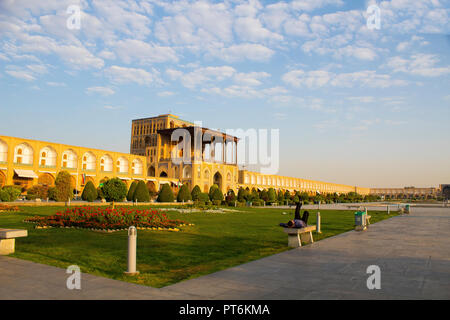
413 252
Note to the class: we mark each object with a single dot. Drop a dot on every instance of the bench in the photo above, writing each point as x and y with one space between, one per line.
8 239
297 235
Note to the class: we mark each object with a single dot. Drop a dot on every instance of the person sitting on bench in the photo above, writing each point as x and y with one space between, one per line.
297 222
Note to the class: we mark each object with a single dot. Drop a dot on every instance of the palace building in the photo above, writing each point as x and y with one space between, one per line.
153 158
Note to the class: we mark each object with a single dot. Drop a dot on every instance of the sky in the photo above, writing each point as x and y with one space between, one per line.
354 105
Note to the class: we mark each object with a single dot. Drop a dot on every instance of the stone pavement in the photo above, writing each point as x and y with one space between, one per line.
412 251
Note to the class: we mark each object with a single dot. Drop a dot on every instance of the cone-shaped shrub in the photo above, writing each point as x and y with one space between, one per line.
184 194
272 195
195 192
131 191
166 194
89 192
217 194
211 190
141 193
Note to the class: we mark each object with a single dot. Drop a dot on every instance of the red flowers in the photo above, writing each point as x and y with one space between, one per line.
107 218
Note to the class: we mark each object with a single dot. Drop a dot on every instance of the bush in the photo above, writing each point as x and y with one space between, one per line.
100 194
203 196
4 196
196 191
131 191
272 195
217 195
35 192
141 193
63 185
217 202
264 195
242 194
10 193
114 190
184 194
231 197
166 194
52 193
211 190
89 192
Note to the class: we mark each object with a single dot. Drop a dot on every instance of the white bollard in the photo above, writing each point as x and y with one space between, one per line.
131 267
318 223
388 209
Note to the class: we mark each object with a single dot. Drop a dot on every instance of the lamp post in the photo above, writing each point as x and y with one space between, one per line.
131 267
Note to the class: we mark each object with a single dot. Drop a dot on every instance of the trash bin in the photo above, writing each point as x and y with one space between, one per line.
360 220
407 208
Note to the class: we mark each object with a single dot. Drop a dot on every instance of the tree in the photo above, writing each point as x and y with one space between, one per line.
141 193
241 194
184 194
89 192
10 193
264 195
131 191
211 190
231 196
287 195
195 192
280 196
254 195
36 192
114 190
272 195
63 185
165 194
217 195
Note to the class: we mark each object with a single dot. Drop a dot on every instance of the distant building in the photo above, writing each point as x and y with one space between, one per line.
405 192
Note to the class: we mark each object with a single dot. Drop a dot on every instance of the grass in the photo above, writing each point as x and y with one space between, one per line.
215 242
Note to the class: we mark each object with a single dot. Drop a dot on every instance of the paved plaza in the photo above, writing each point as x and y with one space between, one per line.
412 251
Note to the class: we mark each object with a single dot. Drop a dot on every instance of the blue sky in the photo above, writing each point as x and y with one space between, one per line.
353 105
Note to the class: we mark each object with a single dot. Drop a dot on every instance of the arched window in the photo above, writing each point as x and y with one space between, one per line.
106 163
3 151
122 165
187 172
88 161
69 159
137 166
23 154
228 176
47 157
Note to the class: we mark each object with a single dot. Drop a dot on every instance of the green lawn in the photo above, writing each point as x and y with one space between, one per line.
216 241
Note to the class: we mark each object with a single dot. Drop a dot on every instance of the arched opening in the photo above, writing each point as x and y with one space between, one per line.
136 167
47 157
186 172
163 174
206 188
218 180
151 187
228 176
151 171
122 165
69 159
23 154
46 179
2 179
106 163
88 161
172 124
3 151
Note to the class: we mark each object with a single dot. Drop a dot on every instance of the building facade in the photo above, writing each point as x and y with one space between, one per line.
210 158
408 192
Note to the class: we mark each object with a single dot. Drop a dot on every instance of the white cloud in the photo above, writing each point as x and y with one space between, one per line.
56 84
166 93
131 50
201 75
122 75
244 51
21 74
418 64
105 91
251 29
251 78
309 5
320 78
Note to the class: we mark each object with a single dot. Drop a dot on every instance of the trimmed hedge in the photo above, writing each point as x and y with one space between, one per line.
166 194
63 185
141 193
114 190
196 191
131 191
184 194
89 192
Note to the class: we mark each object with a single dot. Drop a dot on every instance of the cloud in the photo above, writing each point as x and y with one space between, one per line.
131 50
321 78
123 75
202 75
166 93
418 64
243 51
105 91
56 84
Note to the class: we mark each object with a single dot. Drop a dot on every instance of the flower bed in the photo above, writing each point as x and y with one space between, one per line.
99 218
7 208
